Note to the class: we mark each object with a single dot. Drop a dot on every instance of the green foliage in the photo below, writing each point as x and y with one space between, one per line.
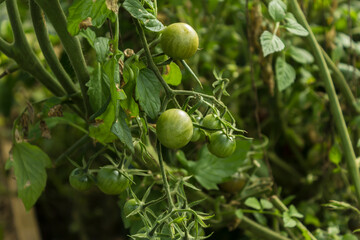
271 43
147 92
285 74
300 55
139 12
210 170
277 10
29 164
173 75
80 10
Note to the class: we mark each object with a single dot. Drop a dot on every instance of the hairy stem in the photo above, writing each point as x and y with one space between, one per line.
164 178
48 51
341 83
259 230
71 45
334 102
191 72
21 48
5 47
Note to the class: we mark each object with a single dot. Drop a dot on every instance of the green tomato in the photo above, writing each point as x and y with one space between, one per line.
111 181
211 122
80 180
196 135
174 128
221 145
179 41
235 184
130 206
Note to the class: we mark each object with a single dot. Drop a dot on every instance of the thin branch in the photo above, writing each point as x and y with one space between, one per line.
259 230
191 73
71 45
334 102
8 71
72 148
341 83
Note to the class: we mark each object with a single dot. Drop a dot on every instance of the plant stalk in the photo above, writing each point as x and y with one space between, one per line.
334 102
341 83
49 54
71 45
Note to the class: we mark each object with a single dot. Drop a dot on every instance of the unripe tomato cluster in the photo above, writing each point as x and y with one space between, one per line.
109 180
174 130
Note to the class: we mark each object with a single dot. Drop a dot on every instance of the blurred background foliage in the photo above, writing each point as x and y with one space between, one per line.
303 149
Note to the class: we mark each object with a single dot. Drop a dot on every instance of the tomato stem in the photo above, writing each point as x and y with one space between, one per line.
164 178
334 101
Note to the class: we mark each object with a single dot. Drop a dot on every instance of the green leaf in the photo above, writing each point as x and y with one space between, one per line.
270 43
210 170
301 55
8 164
335 154
253 203
288 221
78 11
122 130
89 35
101 46
277 10
148 92
293 212
98 88
349 70
101 129
82 9
294 27
136 10
29 163
285 74
100 12
173 75
239 214
266 204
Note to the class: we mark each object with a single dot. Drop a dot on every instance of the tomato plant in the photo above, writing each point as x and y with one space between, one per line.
174 128
179 41
80 180
118 94
221 145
